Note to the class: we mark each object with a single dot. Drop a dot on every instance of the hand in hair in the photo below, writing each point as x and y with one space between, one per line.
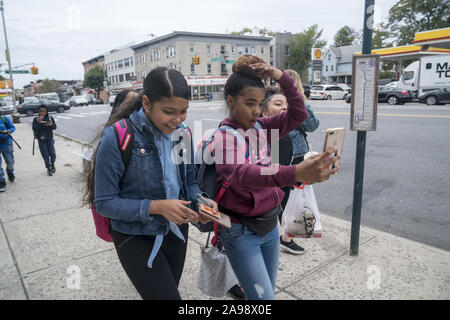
267 70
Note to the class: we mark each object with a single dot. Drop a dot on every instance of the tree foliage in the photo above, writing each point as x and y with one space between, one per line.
346 36
300 49
94 78
407 17
48 85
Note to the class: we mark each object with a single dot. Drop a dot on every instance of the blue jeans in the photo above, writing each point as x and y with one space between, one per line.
8 155
47 148
254 259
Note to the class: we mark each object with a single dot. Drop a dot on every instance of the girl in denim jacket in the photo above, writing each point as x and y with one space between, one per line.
151 202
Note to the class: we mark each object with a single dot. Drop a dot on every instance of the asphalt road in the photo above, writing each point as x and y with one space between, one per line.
407 166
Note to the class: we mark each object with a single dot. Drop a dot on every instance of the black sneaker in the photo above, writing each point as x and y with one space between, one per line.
49 172
237 293
11 177
53 169
2 186
291 247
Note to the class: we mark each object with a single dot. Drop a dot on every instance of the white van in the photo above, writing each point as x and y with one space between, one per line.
53 96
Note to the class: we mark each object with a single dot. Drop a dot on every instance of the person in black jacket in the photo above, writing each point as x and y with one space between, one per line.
43 126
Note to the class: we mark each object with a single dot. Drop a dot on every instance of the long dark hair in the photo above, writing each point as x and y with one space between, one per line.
160 83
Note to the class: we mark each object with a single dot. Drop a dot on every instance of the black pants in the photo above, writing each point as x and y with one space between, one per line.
162 280
287 190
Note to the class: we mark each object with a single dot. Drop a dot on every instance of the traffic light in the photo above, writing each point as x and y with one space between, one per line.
193 60
197 60
34 70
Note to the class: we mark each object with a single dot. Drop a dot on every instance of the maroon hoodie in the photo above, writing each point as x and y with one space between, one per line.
252 193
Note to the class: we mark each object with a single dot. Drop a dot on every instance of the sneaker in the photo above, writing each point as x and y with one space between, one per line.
237 293
11 177
291 247
49 172
2 186
53 169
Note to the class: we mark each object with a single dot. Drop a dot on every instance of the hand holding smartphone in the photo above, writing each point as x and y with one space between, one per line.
334 138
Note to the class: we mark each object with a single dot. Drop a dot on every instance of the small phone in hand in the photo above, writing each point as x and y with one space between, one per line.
334 138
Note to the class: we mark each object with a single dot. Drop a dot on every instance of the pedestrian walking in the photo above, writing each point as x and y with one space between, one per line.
300 148
253 198
151 202
43 126
7 151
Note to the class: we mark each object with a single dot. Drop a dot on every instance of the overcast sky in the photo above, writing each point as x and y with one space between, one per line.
58 35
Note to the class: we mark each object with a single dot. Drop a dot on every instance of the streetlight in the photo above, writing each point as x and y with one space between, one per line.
16 119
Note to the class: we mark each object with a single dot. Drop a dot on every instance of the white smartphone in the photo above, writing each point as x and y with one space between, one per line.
334 138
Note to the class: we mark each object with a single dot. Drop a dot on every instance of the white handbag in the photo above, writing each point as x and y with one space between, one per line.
216 275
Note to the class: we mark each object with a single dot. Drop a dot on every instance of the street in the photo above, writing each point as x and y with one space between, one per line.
406 178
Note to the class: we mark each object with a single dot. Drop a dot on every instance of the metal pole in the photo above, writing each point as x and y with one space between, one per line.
361 140
9 58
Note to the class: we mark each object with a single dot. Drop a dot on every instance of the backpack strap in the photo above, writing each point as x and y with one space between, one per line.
124 134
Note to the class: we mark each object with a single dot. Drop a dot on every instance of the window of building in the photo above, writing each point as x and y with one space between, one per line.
126 62
143 58
326 68
222 49
209 67
121 77
158 55
287 51
131 60
332 67
223 69
151 57
192 68
143 75
232 49
191 50
208 49
255 51
127 76
120 64
247 50
262 50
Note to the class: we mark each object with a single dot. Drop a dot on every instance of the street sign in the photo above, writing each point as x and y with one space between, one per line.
316 54
230 61
17 71
365 92
217 59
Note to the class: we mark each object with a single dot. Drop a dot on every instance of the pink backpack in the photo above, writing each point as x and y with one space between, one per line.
124 135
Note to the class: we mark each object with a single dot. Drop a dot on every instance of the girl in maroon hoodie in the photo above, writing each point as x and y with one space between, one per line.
254 195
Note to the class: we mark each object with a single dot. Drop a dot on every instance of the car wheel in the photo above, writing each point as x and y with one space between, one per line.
431 100
29 112
392 100
61 109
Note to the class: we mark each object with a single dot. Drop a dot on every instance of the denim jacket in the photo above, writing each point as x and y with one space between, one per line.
125 197
299 142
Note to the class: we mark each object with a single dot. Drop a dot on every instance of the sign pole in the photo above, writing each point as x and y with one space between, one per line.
361 140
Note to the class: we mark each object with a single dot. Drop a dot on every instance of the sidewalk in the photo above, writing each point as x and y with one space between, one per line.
48 243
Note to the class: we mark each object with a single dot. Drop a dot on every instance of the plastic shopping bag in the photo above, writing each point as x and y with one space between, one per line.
301 217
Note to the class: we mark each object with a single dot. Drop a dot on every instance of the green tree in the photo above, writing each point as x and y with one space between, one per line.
345 36
300 49
407 17
48 85
94 78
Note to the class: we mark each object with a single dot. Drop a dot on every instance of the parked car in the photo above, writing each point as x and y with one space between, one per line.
307 90
112 97
390 95
441 96
32 107
344 86
76 101
27 99
6 107
327 92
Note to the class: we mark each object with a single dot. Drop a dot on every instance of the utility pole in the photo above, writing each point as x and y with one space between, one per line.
8 57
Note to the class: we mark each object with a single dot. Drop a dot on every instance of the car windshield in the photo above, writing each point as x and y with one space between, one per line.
318 88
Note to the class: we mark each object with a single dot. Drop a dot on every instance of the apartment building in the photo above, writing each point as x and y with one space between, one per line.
120 68
216 54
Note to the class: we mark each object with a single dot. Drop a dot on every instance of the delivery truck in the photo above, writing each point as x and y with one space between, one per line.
427 74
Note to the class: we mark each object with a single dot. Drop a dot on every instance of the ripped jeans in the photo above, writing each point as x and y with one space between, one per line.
254 259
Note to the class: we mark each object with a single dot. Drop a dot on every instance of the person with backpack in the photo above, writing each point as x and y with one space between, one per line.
43 126
148 198
253 195
7 151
